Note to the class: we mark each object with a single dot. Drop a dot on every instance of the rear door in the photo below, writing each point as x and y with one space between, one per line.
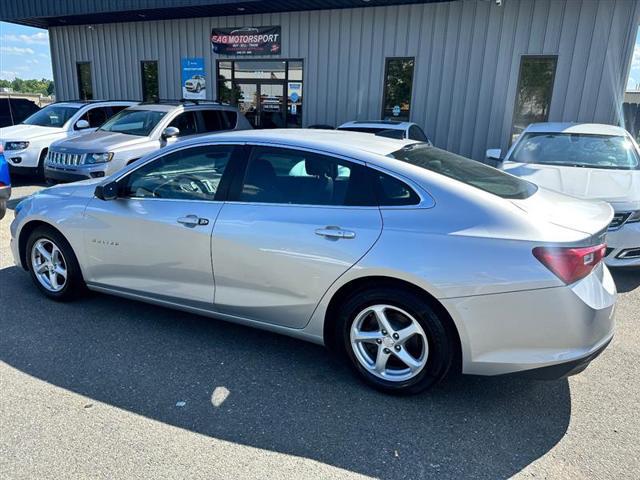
295 221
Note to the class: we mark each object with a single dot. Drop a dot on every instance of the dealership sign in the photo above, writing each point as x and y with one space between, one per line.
246 41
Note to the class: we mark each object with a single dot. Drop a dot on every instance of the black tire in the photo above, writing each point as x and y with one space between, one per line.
75 286
441 346
40 168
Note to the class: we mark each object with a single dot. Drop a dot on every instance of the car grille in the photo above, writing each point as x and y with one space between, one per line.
618 220
65 159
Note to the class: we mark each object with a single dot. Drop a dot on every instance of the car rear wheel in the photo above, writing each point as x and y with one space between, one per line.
53 265
395 341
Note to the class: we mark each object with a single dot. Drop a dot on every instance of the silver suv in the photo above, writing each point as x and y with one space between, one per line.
133 133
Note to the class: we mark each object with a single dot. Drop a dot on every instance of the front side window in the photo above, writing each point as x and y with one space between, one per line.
189 174
533 98
85 85
186 123
52 116
149 73
279 175
96 116
398 84
466 171
577 150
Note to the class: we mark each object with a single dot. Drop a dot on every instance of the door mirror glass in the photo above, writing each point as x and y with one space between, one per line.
82 124
108 191
494 154
170 132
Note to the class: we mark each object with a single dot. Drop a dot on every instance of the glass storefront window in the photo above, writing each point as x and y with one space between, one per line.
85 85
398 84
267 92
260 70
535 86
150 90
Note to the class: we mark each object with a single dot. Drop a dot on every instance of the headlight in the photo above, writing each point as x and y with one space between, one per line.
634 217
92 158
16 145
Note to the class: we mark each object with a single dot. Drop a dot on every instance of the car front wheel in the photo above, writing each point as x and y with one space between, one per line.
53 265
395 341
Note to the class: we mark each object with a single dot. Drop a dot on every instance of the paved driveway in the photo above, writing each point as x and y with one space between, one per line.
110 388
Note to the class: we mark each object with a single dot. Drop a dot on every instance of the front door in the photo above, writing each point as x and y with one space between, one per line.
297 222
262 103
155 238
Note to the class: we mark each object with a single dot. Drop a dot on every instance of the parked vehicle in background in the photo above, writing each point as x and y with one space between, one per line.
407 260
26 145
590 161
195 84
5 184
15 110
388 128
134 133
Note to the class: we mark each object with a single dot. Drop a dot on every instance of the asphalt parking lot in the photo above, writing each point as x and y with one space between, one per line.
110 388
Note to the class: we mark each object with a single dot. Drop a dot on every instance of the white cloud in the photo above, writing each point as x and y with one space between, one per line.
33 62
16 51
40 38
7 75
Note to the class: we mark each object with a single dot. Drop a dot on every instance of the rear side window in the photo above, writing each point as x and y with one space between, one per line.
416 133
217 120
466 171
96 116
280 175
186 123
392 192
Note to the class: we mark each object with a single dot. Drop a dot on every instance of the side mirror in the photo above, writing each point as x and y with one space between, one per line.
82 124
494 154
170 132
107 191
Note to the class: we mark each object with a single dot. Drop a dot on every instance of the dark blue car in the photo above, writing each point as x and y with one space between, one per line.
5 183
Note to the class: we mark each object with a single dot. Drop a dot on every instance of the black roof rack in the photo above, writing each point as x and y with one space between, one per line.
182 101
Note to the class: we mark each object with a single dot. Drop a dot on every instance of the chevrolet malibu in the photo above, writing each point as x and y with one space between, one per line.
407 261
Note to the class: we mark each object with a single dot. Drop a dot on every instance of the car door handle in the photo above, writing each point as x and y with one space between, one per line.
192 221
335 232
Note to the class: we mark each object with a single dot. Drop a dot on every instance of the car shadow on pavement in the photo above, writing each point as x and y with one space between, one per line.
271 392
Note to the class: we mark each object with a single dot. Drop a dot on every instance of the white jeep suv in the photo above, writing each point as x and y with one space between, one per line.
135 132
26 144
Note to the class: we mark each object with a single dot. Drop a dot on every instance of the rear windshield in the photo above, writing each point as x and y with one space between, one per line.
364 129
576 150
466 171
133 122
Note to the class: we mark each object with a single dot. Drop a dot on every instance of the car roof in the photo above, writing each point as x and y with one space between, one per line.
387 124
171 105
331 141
577 128
80 104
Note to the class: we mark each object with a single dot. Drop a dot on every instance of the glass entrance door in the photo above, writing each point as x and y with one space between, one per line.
262 104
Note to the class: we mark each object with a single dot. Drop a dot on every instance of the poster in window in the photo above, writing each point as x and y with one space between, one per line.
194 84
246 41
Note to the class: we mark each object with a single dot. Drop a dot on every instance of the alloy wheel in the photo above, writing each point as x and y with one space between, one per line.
49 265
389 343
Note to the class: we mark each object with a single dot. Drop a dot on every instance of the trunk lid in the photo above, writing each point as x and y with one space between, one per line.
590 217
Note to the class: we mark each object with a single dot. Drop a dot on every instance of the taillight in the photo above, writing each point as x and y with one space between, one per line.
570 264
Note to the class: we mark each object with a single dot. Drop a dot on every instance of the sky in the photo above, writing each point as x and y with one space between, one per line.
24 53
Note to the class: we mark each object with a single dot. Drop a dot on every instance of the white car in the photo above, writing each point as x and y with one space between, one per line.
387 128
26 144
590 161
135 132
195 84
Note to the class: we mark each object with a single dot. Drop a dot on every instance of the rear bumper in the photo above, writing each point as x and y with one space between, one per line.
624 241
561 327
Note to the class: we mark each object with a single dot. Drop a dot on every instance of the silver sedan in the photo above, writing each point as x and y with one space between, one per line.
407 261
